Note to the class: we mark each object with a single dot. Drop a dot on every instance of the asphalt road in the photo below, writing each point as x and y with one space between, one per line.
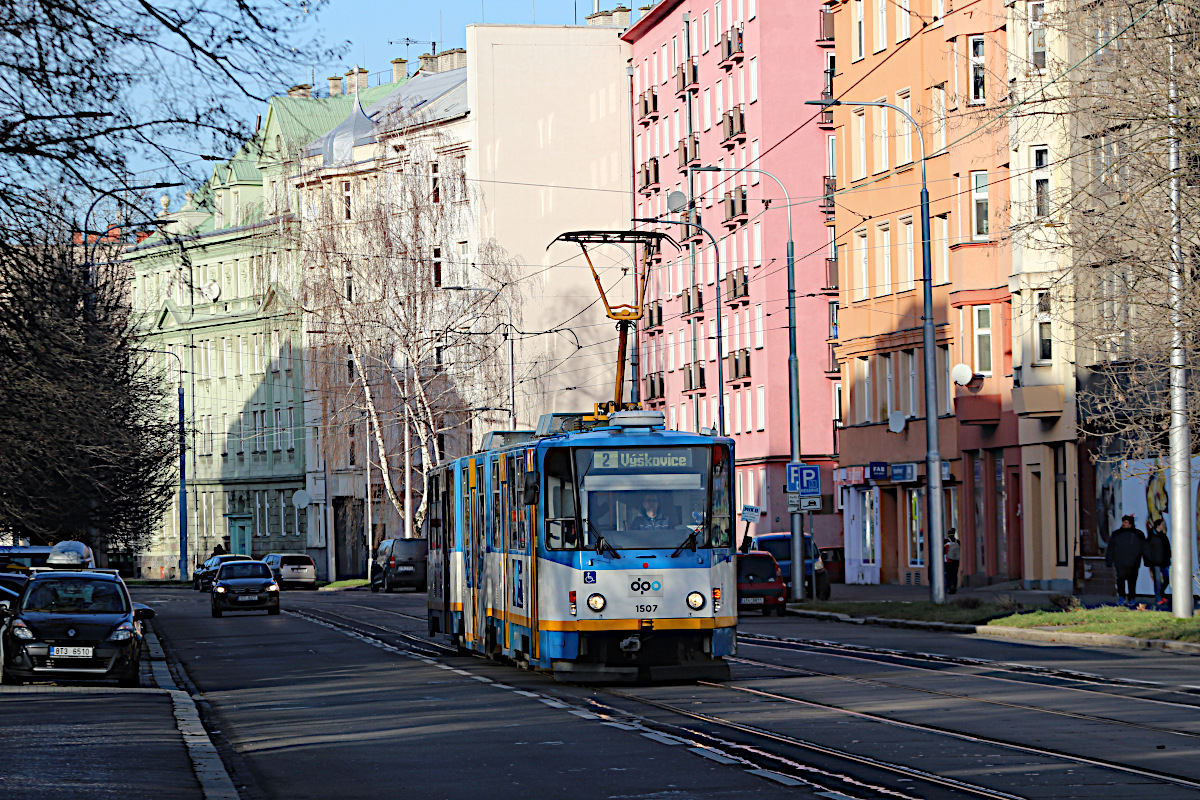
349 708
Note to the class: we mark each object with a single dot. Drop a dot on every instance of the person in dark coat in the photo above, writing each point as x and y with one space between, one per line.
1124 555
952 551
1157 555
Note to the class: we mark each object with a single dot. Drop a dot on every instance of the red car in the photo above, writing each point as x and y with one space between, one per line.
760 583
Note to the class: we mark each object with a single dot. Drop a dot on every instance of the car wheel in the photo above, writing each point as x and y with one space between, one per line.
216 612
374 587
387 585
273 611
132 679
823 590
8 679
195 583
781 610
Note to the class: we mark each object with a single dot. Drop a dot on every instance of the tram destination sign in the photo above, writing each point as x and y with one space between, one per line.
643 459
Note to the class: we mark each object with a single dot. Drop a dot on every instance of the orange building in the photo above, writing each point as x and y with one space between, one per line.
947 67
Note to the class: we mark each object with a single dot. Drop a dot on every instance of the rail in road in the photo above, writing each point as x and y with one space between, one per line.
862 722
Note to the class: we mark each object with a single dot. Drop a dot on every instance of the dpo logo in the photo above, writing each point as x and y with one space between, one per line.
645 585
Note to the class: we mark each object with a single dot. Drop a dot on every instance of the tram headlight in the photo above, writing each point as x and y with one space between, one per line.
596 602
695 601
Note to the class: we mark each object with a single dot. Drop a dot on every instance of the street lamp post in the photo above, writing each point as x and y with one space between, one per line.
797 520
933 458
720 347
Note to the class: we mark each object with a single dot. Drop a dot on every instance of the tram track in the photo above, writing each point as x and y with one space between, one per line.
772 741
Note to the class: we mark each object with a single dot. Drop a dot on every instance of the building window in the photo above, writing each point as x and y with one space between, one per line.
758 326
914 502
978 67
1044 328
860 36
904 100
889 387
884 241
1037 36
908 261
754 80
435 183
882 144
902 20
346 205
1041 181
760 396
880 24
939 111
983 339
910 371
705 37
865 393
837 405
834 306
716 37
943 226
943 371
864 266
351 455
859 155
979 206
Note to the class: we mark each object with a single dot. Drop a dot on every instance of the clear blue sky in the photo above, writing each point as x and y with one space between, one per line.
369 25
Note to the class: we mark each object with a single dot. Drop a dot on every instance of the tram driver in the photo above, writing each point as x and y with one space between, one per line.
651 518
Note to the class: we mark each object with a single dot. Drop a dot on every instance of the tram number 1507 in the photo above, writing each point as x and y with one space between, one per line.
646 609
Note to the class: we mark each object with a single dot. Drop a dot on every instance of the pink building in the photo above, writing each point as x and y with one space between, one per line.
723 83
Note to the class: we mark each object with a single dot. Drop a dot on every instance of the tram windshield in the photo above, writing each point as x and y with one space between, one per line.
647 497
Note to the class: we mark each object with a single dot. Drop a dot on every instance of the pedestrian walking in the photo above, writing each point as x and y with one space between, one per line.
1157 555
1124 555
952 554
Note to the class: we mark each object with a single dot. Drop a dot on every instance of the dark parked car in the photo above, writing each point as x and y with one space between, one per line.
780 546
399 563
292 569
244 586
834 559
202 578
73 624
760 583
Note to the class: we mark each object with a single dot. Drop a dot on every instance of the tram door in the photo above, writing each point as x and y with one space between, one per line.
479 546
470 525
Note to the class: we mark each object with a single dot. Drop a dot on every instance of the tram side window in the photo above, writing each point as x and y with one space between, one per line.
722 519
435 512
497 514
560 501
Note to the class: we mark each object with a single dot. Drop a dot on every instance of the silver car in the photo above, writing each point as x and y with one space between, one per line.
292 569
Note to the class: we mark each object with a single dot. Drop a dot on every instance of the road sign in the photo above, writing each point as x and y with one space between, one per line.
804 480
810 503
793 501
751 513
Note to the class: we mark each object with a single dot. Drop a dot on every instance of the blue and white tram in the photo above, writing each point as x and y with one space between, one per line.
603 553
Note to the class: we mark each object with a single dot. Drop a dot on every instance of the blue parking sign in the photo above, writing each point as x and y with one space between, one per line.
804 480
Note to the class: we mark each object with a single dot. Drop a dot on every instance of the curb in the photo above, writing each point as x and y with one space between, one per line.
1006 632
343 589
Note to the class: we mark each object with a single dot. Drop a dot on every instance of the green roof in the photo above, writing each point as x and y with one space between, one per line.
301 120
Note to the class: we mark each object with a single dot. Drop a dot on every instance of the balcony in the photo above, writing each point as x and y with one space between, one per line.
655 386
826 204
648 106
687 77
831 274
693 377
692 232
825 28
733 127
653 315
693 301
737 366
735 207
689 151
826 118
648 176
832 367
731 48
737 286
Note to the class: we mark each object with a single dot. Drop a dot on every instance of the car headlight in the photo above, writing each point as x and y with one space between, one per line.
596 602
123 632
21 630
695 601
274 587
219 589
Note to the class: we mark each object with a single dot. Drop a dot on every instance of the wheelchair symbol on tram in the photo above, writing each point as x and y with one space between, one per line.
589 577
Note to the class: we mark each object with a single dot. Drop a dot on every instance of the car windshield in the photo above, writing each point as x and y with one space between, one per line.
755 569
296 561
781 548
640 497
75 596
237 570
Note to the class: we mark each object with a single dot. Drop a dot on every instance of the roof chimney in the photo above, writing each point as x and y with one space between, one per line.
399 69
620 17
303 91
429 62
335 86
357 79
600 18
452 59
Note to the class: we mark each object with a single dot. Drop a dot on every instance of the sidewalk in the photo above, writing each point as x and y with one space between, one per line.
851 592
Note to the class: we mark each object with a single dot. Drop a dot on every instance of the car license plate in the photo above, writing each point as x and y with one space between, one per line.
406 568
752 601
71 652
245 597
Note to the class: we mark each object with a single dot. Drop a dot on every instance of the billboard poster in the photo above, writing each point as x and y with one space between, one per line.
1143 488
